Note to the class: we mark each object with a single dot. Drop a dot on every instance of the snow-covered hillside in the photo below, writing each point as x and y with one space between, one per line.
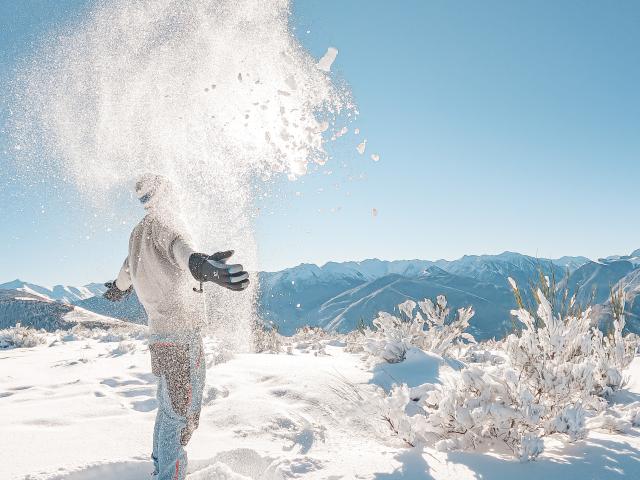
60 293
32 310
340 296
81 407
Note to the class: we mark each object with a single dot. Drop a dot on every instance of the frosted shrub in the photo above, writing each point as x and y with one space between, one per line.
124 347
309 339
556 374
437 333
391 338
22 337
565 358
394 410
480 405
442 334
266 338
310 334
483 353
113 334
355 340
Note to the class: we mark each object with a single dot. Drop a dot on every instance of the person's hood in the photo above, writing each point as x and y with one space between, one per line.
154 190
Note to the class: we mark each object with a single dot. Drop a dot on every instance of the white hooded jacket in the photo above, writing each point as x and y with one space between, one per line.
158 268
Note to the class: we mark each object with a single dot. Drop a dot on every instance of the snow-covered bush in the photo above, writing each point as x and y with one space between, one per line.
22 337
484 353
356 340
568 358
393 336
557 372
266 338
124 347
309 339
113 334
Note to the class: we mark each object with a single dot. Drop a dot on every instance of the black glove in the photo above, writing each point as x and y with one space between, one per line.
114 294
213 268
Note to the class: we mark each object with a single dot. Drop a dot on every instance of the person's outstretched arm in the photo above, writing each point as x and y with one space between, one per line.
121 286
203 267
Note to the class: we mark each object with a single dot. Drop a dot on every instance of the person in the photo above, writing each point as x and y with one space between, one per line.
161 267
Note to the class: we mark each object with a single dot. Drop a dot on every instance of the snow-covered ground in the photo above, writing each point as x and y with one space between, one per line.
80 408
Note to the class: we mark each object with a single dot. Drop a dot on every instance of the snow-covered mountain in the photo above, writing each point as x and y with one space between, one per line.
352 300
338 295
59 293
497 268
480 267
630 285
633 258
594 280
128 309
491 302
29 310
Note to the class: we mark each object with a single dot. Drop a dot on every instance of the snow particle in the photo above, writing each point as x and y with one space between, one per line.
327 59
322 127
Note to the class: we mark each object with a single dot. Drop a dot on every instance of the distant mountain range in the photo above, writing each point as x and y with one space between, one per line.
58 293
337 296
29 310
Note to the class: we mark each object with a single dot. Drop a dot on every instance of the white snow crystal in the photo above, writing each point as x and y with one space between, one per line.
327 59
322 127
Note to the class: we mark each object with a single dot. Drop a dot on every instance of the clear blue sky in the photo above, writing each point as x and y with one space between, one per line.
500 125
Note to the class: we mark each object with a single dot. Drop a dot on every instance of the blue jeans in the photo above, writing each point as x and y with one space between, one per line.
180 367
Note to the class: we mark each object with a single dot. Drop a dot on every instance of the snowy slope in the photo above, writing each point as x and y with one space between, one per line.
83 409
128 309
630 284
60 293
339 294
492 303
32 310
596 278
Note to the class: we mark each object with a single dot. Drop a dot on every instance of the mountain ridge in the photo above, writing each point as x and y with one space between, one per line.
341 295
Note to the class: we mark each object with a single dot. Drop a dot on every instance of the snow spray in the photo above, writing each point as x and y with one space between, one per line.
216 95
